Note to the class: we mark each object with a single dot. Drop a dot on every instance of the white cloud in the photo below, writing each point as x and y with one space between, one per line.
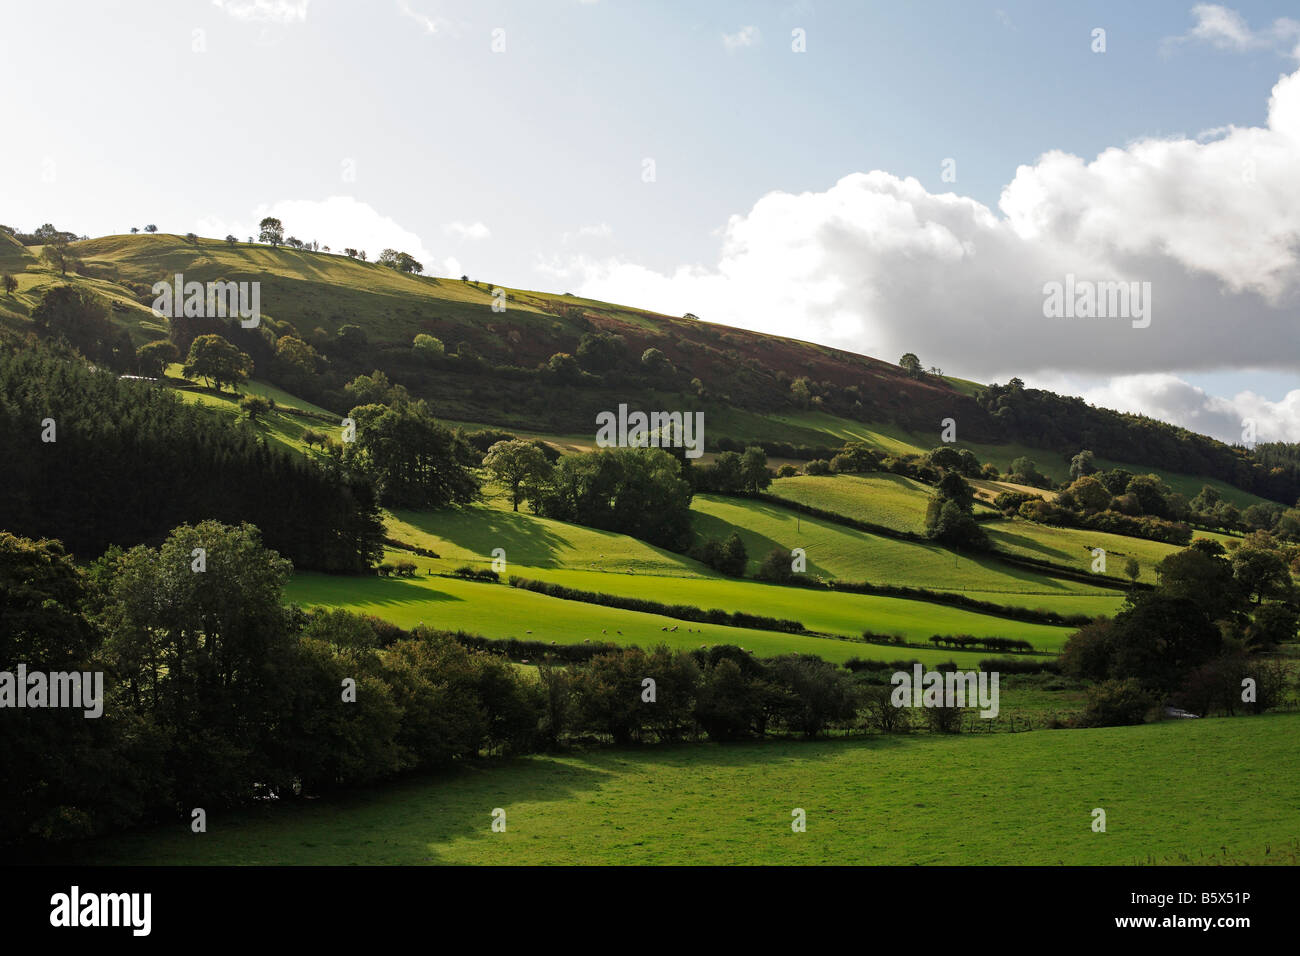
600 230
745 36
337 222
1226 29
1172 399
879 265
473 231
432 24
451 266
265 11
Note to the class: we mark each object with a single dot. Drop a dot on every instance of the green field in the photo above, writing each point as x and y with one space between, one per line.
1073 546
880 498
1195 791
609 563
835 551
499 611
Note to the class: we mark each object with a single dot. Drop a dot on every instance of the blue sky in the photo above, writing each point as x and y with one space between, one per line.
792 192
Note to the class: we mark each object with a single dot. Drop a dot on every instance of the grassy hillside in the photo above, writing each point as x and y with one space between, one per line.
1196 792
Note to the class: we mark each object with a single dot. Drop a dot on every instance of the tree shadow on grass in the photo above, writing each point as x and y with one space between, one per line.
409 821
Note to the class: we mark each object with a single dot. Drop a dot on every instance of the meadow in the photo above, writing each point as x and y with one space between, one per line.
1199 792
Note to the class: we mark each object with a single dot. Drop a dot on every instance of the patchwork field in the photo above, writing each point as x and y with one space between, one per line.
1198 792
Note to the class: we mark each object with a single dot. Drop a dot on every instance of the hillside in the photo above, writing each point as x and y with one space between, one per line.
508 369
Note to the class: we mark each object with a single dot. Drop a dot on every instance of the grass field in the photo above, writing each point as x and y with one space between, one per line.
835 551
1073 546
889 500
499 611
609 563
1199 792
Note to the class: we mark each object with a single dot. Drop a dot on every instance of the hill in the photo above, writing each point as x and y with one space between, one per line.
548 363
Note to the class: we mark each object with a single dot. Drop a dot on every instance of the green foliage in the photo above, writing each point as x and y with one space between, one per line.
521 467
415 460
152 358
636 491
80 318
218 362
132 462
1114 703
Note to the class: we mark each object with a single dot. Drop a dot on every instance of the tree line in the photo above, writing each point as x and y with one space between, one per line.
96 461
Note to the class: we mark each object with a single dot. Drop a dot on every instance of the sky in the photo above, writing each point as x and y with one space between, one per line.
880 177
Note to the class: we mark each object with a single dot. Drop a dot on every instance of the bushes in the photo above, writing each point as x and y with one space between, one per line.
728 557
967 642
880 713
477 574
776 567
1115 703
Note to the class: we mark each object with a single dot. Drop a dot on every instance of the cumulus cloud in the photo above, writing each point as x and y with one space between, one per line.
472 231
1226 29
265 11
745 36
337 222
1172 399
878 264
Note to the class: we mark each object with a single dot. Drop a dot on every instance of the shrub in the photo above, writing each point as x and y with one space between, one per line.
881 714
1116 703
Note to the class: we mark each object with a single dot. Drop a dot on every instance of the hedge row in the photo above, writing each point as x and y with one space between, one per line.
684 612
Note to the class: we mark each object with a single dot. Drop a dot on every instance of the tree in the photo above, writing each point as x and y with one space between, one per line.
1132 569
152 358
134 230
601 351
9 283
754 475
272 231
1082 464
427 347
191 238
218 647
655 362
255 406
400 261
231 240
949 515
215 360
296 356
151 228
56 253
517 464
946 457
910 364
1090 493
416 461
1260 573
1025 471
80 318
564 368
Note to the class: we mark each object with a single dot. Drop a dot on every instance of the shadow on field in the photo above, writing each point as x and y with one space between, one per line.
408 821
526 541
